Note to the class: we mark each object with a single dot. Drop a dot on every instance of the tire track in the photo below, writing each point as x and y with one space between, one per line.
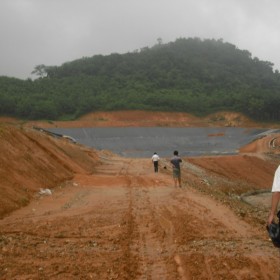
152 257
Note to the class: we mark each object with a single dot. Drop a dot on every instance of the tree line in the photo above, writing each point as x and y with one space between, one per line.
188 75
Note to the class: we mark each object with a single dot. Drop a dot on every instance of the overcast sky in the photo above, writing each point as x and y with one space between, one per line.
52 32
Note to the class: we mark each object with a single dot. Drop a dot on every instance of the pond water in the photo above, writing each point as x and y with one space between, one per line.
144 141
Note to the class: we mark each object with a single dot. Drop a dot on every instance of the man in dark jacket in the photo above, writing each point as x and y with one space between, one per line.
176 161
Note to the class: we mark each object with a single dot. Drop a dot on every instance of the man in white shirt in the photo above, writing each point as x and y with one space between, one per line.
155 160
275 196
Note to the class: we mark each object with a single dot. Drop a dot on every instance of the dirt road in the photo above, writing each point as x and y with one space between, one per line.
126 222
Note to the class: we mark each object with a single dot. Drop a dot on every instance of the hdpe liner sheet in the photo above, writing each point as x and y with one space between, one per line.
144 141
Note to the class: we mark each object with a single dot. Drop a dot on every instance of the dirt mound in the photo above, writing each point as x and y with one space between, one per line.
246 172
31 160
267 144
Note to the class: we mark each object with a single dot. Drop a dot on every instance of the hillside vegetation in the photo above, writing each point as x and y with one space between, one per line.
188 75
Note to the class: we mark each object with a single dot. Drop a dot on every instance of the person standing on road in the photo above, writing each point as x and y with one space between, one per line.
155 160
176 161
275 196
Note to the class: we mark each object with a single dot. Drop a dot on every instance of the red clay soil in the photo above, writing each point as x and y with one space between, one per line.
109 217
144 118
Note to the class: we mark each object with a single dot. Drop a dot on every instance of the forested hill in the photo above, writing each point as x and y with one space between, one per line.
188 75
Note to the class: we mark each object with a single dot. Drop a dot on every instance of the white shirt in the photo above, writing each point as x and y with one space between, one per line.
276 181
155 157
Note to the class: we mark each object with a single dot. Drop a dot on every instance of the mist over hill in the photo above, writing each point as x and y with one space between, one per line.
188 75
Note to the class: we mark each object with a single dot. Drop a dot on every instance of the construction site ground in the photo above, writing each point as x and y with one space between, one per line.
72 212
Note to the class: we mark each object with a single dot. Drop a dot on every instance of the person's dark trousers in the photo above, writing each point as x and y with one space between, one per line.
156 166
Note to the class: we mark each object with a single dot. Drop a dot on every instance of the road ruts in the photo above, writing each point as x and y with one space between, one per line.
152 244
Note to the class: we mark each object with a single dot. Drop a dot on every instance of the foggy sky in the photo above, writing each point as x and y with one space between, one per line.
52 32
